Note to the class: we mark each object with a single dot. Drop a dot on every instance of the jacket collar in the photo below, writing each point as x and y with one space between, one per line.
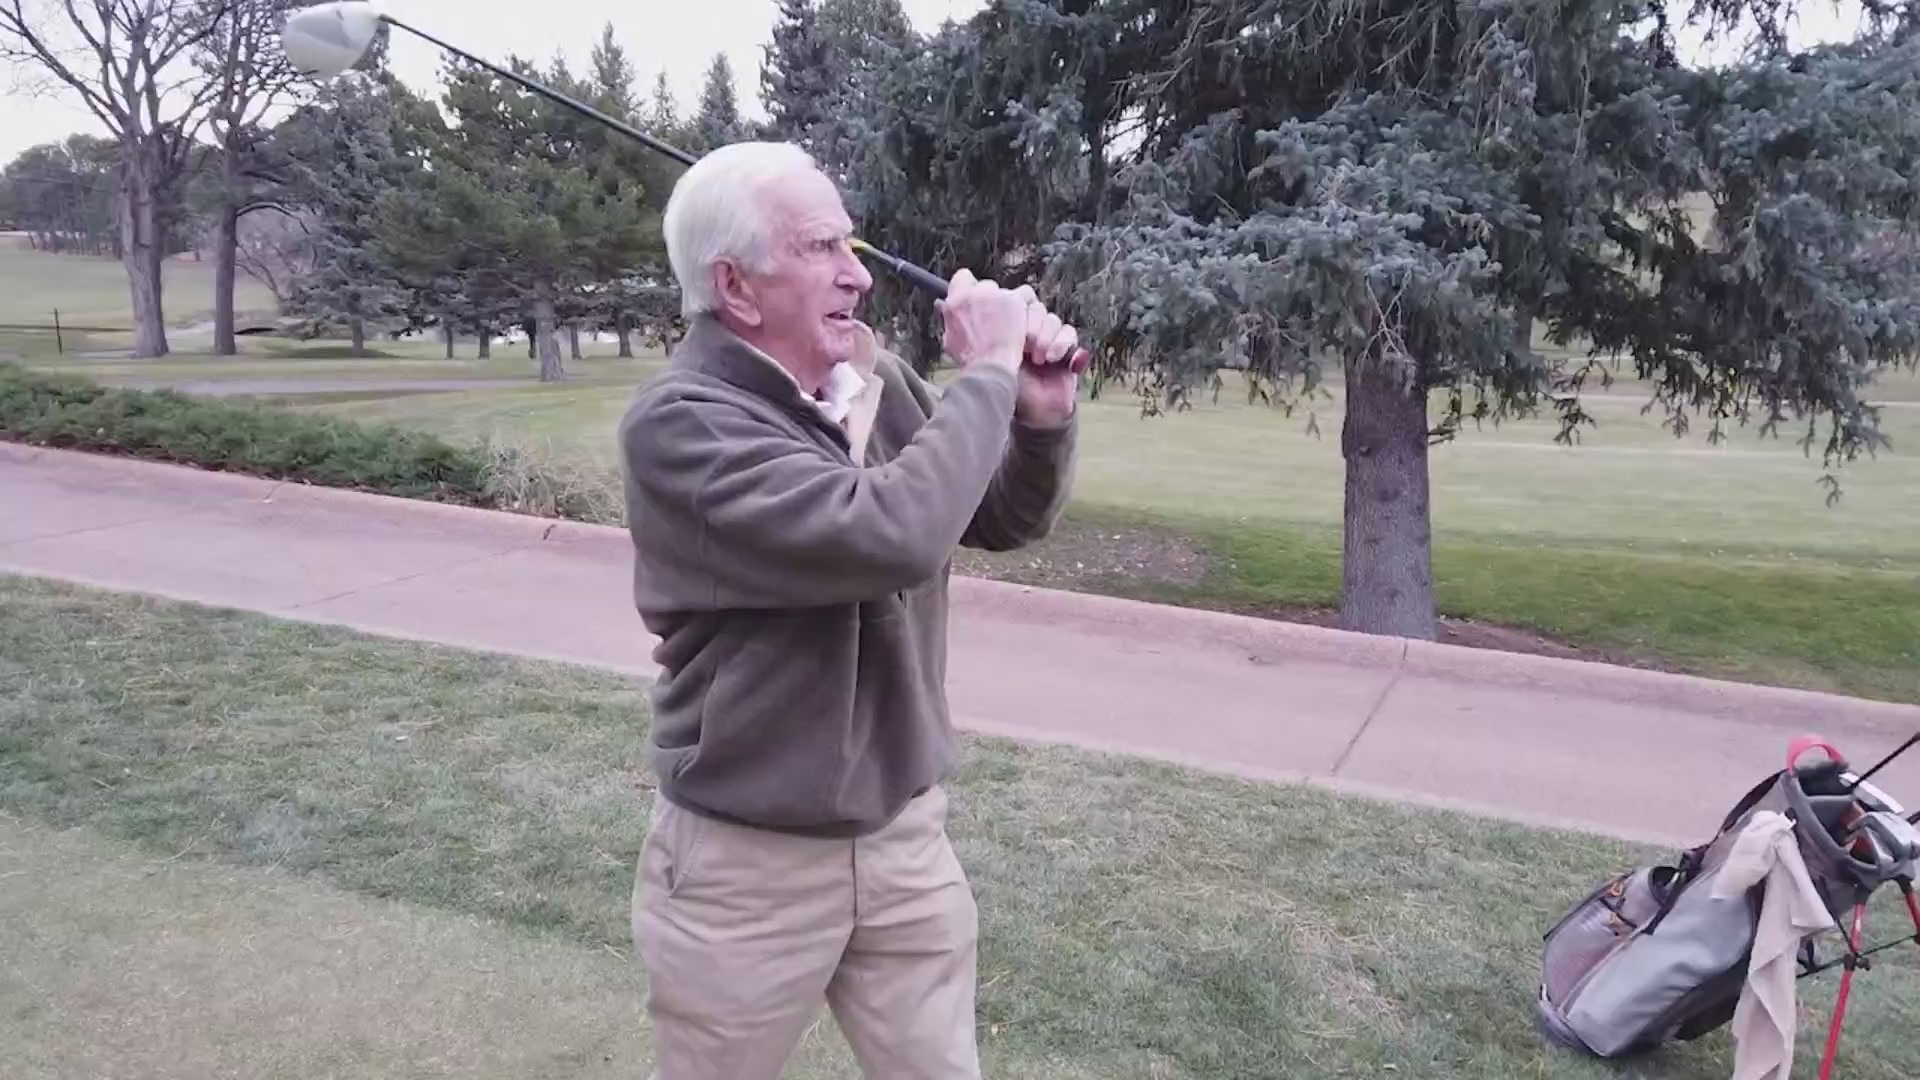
712 350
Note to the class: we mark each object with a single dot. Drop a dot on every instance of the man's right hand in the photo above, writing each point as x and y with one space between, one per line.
984 323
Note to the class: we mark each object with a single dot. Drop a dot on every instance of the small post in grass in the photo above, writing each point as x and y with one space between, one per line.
59 339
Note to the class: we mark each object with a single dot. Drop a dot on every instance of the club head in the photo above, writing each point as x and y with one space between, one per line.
326 40
1887 842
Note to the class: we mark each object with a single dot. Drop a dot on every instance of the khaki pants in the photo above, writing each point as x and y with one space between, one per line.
744 933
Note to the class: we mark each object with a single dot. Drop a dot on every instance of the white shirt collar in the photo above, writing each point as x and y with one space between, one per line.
843 385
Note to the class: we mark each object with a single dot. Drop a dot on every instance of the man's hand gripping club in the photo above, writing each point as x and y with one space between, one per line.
985 323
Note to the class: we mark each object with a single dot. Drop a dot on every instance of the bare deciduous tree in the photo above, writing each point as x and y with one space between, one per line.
123 58
243 60
275 248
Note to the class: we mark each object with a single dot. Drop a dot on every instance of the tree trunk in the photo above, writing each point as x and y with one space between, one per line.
625 333
226 251
226 256
546 334
1093 128
1387 564
486 343
449 333
573 340
145 263
359 337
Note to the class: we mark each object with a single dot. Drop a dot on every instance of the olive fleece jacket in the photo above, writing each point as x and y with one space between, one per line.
801 596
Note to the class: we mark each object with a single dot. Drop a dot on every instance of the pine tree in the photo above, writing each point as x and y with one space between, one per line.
613 78
663 110
346 155
622 272
717 122
1399 200
825 67
1403 198
522 202
794 82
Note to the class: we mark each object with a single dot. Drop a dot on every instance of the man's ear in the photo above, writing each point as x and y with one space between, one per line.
735 292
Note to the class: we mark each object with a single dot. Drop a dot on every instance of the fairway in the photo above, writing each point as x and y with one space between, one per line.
1628 482
570 424
93 291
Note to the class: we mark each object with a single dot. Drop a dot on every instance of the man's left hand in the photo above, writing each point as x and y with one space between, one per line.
1049 387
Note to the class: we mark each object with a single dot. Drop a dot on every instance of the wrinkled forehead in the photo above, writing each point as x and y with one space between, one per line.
806 206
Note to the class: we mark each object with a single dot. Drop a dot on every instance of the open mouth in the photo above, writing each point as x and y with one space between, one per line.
842 317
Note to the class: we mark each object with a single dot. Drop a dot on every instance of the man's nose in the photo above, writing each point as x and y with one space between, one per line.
853 271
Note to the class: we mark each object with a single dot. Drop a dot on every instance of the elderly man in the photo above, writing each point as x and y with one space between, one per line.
795 495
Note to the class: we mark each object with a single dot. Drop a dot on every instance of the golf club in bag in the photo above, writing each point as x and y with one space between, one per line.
326 40
1664 952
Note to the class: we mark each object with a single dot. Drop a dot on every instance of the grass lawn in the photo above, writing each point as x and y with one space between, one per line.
570 423
412 359
1138 920
124 963
93 291
1629 485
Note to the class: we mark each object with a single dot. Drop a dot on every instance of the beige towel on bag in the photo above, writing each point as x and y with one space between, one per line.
1764 1021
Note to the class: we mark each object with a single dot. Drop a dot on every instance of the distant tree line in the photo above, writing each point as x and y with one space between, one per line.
364 208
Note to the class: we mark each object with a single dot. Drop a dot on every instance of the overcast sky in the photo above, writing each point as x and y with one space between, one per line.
682 47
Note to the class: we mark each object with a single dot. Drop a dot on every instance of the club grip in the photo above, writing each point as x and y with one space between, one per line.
928 282
922 279
919 277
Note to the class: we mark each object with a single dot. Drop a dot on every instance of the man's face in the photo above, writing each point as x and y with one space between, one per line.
807 295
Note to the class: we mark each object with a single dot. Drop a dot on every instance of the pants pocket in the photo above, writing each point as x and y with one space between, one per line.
670 856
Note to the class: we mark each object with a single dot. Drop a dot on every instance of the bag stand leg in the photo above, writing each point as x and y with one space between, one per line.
1846 985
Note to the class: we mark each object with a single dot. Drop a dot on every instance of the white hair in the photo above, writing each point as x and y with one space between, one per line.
718 210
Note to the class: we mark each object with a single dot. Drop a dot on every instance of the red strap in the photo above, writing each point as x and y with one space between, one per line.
1805 743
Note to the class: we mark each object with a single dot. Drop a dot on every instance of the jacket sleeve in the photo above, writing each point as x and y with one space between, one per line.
1029 490
772 522
1031 485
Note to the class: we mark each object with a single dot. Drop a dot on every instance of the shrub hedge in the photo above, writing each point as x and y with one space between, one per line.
71 412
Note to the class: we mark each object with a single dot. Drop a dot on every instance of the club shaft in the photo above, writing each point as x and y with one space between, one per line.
918 276
1885 761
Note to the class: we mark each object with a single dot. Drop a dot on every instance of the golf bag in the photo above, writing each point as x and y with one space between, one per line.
1652 955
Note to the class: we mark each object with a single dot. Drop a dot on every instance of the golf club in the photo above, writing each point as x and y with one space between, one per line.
326 40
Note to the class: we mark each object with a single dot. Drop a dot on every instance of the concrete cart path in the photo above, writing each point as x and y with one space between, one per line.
1630 753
